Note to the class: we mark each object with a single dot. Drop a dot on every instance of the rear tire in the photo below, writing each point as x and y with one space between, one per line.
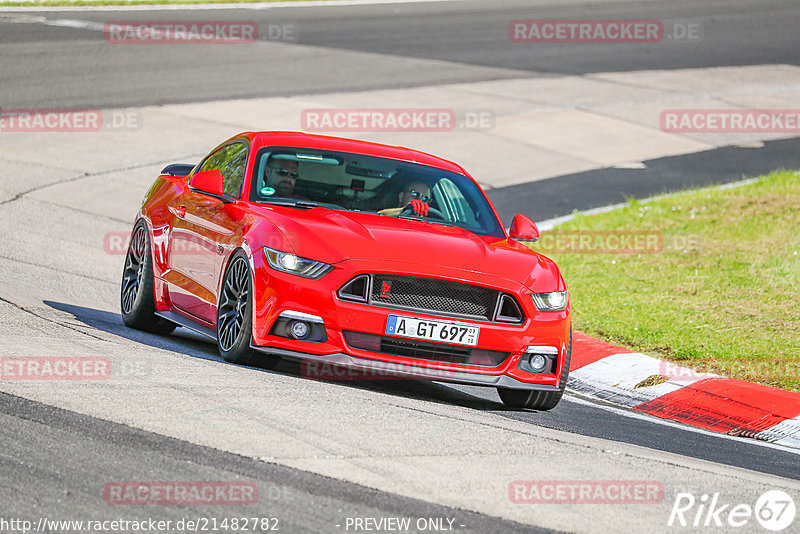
538 400
137 300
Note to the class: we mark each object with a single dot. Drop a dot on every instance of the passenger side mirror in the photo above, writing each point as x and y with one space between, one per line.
209 182
523 229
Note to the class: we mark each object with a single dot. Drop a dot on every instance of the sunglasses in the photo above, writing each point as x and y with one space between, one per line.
417 195
283 173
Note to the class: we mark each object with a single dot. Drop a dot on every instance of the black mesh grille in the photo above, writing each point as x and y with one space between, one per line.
422 350
438 296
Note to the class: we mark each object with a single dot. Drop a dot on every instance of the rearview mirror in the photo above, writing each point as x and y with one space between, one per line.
209 182
523 229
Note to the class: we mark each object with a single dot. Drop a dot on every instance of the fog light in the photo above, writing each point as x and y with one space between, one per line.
538 363
299 329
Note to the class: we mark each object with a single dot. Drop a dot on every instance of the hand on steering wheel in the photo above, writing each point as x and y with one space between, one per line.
419 207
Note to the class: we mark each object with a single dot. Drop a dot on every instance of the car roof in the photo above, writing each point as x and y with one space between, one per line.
339 144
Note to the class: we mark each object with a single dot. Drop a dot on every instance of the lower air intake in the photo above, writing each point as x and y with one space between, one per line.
439 352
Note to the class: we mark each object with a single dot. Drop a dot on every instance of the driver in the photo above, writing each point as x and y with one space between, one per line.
414 196
281 175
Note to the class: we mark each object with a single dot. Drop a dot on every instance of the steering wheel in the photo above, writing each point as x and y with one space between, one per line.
431 212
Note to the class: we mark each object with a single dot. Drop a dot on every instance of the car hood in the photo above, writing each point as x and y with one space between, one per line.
334 236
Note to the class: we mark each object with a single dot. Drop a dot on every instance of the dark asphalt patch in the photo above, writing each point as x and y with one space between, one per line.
562 195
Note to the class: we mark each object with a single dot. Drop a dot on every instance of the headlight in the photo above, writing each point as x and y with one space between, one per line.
289 263
555 301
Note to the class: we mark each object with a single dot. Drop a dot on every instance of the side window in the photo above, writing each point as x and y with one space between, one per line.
233 169
213 161
230 161
453 204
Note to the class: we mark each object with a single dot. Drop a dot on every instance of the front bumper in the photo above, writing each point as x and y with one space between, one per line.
325 367
276 293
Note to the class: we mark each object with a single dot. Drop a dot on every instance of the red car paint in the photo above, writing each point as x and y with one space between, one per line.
353 243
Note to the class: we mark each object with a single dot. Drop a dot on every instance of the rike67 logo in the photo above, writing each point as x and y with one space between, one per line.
774 510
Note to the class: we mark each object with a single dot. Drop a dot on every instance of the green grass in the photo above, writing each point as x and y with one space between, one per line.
730 305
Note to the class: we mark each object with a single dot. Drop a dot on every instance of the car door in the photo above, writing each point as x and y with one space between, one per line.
202 231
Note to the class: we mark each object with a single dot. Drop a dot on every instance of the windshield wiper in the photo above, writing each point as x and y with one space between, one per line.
438 222
302 204
306 204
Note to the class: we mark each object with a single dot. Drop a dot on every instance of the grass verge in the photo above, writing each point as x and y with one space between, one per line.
721 296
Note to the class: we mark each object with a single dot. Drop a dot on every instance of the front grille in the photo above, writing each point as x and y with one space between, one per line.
431 295
409 348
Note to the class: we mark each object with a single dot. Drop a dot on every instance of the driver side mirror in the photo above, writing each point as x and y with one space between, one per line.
523 229
209 182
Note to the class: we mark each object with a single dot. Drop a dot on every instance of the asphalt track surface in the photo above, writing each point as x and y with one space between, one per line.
47 450
64 66
81 453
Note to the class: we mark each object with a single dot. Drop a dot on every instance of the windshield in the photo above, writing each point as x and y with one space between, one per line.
306 177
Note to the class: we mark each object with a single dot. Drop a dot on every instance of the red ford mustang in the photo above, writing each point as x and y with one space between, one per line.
350 254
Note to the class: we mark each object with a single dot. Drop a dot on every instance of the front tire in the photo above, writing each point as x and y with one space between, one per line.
137 300
538 400
235 316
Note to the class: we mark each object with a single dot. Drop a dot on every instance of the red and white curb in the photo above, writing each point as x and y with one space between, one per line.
645 384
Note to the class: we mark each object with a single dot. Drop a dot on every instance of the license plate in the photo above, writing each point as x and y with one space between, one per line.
454 333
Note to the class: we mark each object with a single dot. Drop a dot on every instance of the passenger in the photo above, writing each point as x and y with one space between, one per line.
415 196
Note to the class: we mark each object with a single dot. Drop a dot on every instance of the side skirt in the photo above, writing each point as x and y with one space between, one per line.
180 320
